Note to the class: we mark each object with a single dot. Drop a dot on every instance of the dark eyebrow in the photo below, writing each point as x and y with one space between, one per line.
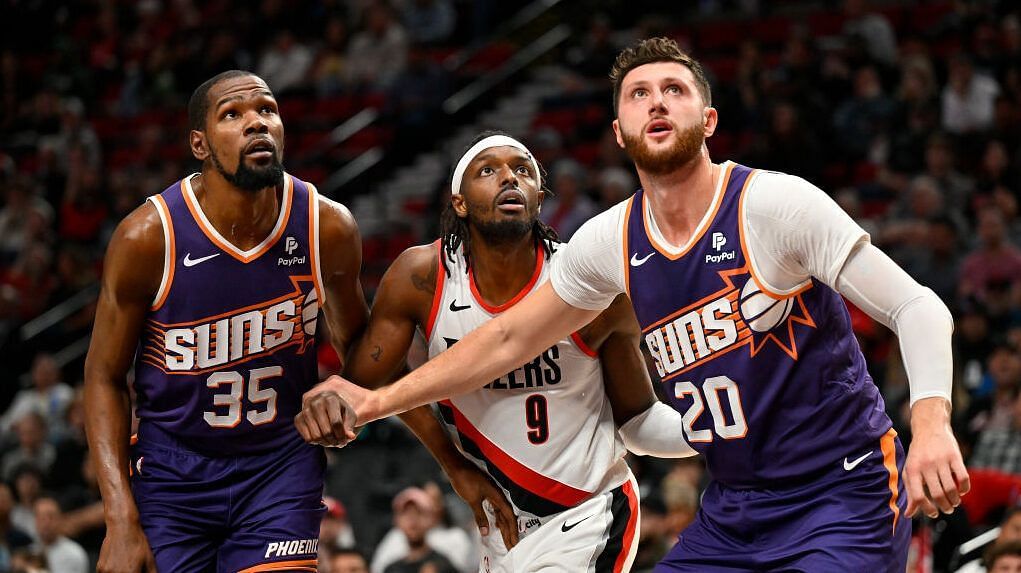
225 100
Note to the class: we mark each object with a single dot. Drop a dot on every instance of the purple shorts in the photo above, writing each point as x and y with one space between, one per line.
228 514
844 520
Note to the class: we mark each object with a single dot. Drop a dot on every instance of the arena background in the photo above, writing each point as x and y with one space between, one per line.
906 112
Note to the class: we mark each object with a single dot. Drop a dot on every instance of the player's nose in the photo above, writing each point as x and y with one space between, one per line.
507 176
657 104
255 123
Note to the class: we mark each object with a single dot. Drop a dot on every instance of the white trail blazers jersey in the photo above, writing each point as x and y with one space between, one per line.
543 432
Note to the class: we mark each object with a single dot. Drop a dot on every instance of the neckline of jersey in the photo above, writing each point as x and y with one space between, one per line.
497 309
666 248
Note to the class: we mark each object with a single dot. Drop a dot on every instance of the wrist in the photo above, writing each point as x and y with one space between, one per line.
929 413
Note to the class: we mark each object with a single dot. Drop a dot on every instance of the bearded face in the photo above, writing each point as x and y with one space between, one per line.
683 146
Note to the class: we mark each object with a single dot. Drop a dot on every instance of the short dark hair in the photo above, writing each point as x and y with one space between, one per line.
337 551
654 50
198 105
1001 549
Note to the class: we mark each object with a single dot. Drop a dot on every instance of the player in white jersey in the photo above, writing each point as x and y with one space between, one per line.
544 432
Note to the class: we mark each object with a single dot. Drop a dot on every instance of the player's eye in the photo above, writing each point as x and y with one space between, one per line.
486 170
524 170
267 109
673 89
229 114
640 92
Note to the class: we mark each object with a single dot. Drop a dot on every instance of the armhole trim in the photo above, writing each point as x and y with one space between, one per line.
434 311
313 234
760 281
169 252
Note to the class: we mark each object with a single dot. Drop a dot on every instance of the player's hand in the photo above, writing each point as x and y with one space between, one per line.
125 550
327 418
934 474
475 487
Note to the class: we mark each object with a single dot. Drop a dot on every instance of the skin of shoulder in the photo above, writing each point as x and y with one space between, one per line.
134 258
340 262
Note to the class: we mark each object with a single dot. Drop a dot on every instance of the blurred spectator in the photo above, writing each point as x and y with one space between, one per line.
937 265
378 51
452 541
861 120
429 21
329 73
874 30
1000 448
347 561
995 259
406 549
48 396
285 63
29 560
62 554
592 56
417 93
83 211
569 205
788 145
11 538
968 98
28 486
1010 531
955 187
25 287
615 184
1004 558
24 219
33 447
335 530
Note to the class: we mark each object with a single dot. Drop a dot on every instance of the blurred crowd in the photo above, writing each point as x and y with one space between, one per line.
907 113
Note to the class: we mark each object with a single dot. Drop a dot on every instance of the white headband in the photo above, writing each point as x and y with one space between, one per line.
487 143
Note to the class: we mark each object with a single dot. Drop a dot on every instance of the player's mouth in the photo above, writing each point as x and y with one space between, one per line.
260 149
659 129
511 200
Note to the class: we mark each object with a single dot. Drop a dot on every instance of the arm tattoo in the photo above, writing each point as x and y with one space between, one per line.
426 284
376 353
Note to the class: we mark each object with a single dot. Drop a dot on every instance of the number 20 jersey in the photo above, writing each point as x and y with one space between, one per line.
228 346
544 432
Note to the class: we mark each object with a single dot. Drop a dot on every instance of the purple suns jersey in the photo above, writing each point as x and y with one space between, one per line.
228 346
772 390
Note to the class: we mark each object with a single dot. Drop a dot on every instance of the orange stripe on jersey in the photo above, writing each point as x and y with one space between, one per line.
889 448
170 257
441 277
580 343
297 565
214 236
701 230
632 527
627 264
759 281
522 475
313 242
539 258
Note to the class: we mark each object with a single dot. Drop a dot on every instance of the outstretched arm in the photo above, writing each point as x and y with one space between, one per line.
403 301
501 345
134 270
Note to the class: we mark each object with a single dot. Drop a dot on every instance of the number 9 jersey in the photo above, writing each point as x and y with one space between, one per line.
228 346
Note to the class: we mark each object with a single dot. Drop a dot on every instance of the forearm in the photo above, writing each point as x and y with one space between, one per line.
108 427
657 432
426 427
921 321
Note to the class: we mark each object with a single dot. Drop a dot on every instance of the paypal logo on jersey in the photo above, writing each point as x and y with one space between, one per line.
719 240
290 245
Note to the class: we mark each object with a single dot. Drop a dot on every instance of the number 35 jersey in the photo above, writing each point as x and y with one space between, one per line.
228 346
544 432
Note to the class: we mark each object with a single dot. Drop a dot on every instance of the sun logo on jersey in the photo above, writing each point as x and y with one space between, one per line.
739 314
210 343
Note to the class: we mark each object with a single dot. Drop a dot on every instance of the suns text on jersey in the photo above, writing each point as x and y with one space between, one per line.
697 335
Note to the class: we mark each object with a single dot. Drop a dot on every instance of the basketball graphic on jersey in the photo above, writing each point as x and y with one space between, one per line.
310 313
760 311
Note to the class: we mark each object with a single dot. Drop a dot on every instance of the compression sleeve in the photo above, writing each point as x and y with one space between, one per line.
588 272
657 432
923 324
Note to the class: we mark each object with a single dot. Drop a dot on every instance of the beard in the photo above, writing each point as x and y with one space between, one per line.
686 146
251 179
500 231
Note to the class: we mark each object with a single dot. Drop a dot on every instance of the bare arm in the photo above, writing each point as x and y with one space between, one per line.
499 346
403 301
134 269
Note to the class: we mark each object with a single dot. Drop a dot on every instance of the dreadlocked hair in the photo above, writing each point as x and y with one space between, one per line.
454 230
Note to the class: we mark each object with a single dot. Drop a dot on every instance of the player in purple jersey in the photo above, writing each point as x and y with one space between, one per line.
735 276
213 288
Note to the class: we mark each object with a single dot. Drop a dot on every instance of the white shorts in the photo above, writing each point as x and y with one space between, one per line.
599 535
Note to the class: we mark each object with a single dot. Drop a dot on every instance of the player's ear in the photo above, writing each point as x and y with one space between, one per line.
197 142
616 133
457 202
711 121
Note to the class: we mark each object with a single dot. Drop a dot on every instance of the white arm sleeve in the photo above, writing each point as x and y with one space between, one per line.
657 432
588 272
923 324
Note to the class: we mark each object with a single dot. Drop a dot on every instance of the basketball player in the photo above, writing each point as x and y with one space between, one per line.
545 431
217 282
808 474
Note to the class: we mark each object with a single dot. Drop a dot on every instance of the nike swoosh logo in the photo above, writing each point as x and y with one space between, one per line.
565 528
190 262
636 262
455 308
848 466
